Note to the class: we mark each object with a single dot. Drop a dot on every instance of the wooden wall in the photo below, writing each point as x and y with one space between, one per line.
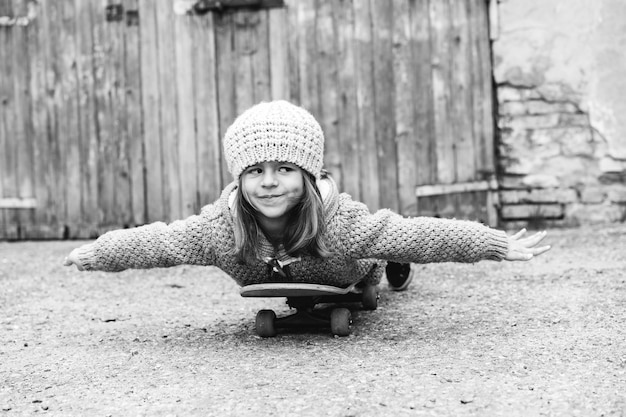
108 123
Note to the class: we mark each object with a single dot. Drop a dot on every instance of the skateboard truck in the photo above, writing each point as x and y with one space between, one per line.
303 298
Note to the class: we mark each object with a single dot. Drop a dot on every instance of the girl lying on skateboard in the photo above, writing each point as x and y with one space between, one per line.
282 219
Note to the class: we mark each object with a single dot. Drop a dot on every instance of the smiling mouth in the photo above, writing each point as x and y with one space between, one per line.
269 197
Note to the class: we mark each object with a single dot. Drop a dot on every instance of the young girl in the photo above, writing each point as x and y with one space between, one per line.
282 219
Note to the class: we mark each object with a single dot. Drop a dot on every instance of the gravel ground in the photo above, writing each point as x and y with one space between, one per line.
490 339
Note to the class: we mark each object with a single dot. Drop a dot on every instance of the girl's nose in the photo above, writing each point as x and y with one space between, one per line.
269 178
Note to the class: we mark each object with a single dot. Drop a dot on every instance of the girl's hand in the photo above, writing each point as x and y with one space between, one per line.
73 259
525 249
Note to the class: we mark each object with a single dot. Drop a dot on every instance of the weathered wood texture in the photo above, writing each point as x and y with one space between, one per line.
111 121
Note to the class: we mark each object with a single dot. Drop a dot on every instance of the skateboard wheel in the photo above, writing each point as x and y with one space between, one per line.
340 320
265 323
369 298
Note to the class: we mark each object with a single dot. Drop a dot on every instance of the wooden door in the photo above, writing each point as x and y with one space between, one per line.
112 111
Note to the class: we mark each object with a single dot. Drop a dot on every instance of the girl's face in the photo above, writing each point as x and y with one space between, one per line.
273 188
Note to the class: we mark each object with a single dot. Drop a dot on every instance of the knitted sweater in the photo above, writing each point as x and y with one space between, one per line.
356 237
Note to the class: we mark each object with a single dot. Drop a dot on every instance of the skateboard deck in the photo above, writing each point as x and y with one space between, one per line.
293 290
304 297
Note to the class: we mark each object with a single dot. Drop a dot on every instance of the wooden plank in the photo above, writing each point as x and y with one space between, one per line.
187 147
47 150
4 130
429 38
18 203
469 200
441 73
150 105
132 77
459 187
105 120
368 152
260 59
226 81
457 106
206 111
88 135
326 72
246 46
483 95
40 227
293 49
476 81
279 54
461 93
384 104
166 38
404 108
116 83
469 206
481 109
69 137
8 185
307 56
55 90
347 110
425 134
23 121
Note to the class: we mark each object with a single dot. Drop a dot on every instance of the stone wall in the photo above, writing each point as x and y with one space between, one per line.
560 71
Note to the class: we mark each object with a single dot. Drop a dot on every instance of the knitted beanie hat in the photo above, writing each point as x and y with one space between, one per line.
274 131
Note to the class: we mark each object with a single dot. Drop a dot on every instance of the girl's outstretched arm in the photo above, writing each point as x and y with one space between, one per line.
387 235
150 246
525 249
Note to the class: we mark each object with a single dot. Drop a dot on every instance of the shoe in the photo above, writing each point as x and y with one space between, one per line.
399 276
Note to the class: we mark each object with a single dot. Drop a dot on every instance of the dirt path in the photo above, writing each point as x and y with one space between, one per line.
490 339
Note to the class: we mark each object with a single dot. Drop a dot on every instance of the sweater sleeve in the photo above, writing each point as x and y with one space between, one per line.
151 246
387 235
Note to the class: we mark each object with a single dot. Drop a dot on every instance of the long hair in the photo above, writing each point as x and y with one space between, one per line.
304 231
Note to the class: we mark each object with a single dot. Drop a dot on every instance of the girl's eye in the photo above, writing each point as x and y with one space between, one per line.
254 170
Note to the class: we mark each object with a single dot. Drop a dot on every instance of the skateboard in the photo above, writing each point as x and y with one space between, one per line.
304 298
